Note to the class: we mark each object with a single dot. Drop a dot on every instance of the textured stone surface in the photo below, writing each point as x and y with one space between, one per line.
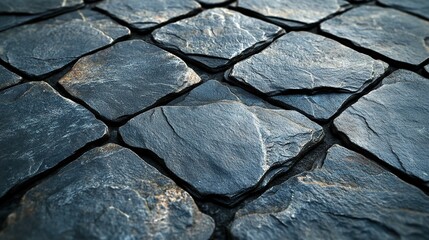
216 37
427 68
147 14
113 83
8 78
294 13
8 21
65 38
108 193
40 129
309 72
229 145
392 123
214 2
394 34
419 7
349 197
35 6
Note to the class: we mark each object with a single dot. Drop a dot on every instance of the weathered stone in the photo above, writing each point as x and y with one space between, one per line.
147 14
392 123
217 37
230 146
8 78
8 21
394 34
35 6
65 38
214 2
40 129
308 72
294 13
418 7
127 78
349 197
108 193
427 68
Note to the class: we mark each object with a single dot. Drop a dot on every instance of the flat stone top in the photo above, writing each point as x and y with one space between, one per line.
394 34
147 13
35 6
419 7
8 78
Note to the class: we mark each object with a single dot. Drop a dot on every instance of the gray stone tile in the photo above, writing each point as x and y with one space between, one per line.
35 6
8 78
418 7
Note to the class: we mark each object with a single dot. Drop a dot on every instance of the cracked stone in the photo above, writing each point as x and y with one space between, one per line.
108 193
394 34
232 144
294 13
392 123
348 196
309 72
418 7
224 37
65 38
8 78
35 6
114 84
148 14
39 129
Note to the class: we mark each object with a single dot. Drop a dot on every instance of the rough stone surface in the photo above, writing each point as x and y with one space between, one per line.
394 34
392 123
40 129
8 21
108 193
229 145
214 2
127 77
147 14
308 72
8 78
65 38
35 6
216 37
294 13
418 7
349 197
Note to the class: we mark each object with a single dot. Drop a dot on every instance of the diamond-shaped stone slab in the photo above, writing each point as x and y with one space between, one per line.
8 78
229 145
392 123
418 7
308 72
348 196
147 14
40 129
65 38
127 78
293 13
394 34
217 37
108 193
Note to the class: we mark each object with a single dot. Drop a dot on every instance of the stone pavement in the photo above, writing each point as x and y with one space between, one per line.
214 119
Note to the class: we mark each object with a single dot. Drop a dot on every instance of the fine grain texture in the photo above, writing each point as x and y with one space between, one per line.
418 7
35 6
8 78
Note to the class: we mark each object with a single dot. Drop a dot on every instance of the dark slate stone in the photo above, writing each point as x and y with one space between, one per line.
114 84
392 123
427 68
418 7
394 34
229 145
35 6
294 13
108 193
224 36
147 14
8 21
65 38
308 72
349 197
40 129
8 78
214 2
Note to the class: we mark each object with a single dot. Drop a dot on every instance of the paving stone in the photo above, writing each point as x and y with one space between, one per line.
427 68
217 37
308 72
214 2
108 193
65 38
419 7
127 78
349 197
8 78
294 13
229 145
394 34
392 123
35 6
147 14
40 129
8 21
